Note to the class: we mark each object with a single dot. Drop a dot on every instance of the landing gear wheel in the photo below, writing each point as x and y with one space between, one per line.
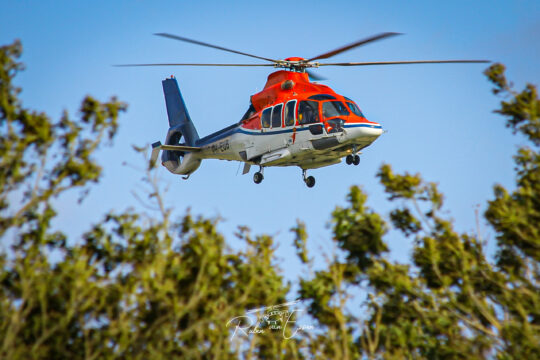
258 177
356 159
349 159
310 181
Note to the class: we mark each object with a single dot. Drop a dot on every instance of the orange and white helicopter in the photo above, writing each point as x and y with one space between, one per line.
291 122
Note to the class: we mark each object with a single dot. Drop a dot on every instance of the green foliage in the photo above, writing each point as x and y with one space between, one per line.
40 159
144 287
359 231
451 301
300 241
523 109
132 287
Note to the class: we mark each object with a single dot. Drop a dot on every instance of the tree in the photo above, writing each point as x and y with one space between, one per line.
450 301
155 287
132 287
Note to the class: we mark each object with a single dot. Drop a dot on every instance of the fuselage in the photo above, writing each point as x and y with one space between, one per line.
293 122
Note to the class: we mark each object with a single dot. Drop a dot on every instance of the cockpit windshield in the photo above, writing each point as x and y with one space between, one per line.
355 109
334 108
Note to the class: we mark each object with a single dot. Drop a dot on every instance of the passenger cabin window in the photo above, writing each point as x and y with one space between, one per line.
289 113
355 109
334 108
265 118
276 116
308 112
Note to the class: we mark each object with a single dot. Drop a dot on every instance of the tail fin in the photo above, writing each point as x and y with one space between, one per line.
179 120
177 157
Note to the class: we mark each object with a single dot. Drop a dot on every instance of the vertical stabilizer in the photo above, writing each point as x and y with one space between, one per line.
180 161
179 119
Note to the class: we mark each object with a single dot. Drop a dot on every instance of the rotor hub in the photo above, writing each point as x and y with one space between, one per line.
297 64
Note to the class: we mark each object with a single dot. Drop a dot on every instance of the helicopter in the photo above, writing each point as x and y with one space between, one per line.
293 121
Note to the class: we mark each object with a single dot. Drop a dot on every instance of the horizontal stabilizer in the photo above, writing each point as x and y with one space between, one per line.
155 153
180 148
157 147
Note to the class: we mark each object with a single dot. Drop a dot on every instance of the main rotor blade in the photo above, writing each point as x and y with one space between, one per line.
353 45
175 37
314 77
194 64
405 62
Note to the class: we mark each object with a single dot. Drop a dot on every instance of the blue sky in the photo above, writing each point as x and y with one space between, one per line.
439 117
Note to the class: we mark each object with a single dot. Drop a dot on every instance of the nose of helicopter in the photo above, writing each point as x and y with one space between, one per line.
372 130
366 131
377 129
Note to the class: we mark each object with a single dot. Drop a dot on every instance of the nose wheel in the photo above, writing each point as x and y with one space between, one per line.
309 180
352 159
258 176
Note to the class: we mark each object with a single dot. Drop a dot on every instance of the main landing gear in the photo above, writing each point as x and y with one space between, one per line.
258 177
352 159
310 180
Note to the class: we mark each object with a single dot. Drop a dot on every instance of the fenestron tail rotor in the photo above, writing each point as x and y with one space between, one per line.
300 64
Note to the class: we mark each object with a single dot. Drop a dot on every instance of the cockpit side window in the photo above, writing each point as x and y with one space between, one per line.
276 116
355 109
334 108
265 117
308 112
289 113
